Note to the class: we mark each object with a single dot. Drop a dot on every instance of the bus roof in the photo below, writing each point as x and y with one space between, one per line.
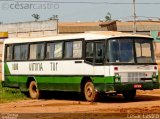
92 35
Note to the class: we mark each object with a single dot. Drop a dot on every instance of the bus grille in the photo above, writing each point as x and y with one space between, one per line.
132 77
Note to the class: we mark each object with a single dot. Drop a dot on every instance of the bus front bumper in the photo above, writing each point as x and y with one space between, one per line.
136 86
120 87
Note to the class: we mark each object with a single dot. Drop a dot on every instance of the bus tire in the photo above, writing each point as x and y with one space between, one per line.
129 95
89 92
34 92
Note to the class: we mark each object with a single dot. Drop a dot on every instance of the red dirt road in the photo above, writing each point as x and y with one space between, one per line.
145 103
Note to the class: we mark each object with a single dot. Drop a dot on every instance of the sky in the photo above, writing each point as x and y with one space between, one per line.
12 11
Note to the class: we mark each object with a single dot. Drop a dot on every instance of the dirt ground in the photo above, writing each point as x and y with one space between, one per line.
145 105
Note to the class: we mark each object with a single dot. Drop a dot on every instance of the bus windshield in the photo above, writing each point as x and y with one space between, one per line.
123 51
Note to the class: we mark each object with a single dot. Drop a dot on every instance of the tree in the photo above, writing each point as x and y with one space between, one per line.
1 22
36 17
108 17
54 17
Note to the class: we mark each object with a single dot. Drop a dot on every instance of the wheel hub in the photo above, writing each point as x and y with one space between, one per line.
89 91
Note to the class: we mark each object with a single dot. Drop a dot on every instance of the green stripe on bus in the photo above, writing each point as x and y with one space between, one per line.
6 69
71 83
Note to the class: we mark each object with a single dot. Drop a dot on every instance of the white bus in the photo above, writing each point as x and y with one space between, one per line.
91 63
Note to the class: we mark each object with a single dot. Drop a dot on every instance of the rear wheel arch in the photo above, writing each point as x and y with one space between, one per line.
31 78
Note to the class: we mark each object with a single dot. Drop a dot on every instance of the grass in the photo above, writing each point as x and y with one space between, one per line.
10 94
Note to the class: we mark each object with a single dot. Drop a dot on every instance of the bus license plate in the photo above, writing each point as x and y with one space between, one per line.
137 85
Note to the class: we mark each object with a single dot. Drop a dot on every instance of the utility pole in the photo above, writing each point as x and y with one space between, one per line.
134 17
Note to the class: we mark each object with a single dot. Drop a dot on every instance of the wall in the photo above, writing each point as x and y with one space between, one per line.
1 43
29 29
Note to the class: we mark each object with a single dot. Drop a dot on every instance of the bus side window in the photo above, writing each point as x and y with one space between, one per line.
99 58
68 50
73 49
54 50
77 49
36 51
24 52
16 54
89 52
8 53
20 52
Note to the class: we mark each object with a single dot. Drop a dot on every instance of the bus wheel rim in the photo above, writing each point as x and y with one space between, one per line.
89 91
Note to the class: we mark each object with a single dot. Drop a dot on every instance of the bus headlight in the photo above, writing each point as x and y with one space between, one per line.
154 74
116 75
117 78
154 79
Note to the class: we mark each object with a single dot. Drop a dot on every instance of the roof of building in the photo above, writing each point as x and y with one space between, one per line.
97 23
141 26
81 27
79 24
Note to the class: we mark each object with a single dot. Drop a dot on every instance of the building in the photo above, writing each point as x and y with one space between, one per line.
3 35
142 27
81 27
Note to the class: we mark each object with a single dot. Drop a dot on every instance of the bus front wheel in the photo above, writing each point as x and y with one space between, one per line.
33 90
129 94
89 92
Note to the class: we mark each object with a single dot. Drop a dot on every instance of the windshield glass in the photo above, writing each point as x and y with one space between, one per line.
122 51
144 52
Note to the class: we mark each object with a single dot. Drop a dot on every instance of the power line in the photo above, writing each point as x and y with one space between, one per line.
142 17
149 17
72 2
6 0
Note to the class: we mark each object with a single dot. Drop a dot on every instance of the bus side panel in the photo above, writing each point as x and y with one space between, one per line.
104 84
9 80
59 83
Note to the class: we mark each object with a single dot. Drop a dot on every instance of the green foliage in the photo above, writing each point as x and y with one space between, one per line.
10 94
54 17
36 17
108 17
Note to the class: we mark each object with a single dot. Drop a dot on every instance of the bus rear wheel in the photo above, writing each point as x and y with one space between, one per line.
129 95
33 90
89 92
